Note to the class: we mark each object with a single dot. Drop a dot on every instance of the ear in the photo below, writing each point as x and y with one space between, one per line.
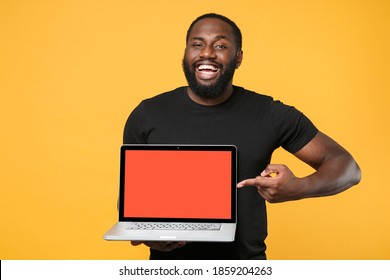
239 57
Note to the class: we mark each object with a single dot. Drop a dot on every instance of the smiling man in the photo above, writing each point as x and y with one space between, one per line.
210 60
211 110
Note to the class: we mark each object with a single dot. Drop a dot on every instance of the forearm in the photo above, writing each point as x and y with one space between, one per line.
333 176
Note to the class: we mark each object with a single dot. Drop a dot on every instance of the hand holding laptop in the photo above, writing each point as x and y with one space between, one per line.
164 246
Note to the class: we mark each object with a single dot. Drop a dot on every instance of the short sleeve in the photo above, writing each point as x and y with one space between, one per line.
134 132
293 128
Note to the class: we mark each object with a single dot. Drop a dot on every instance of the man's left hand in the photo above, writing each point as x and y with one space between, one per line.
276 183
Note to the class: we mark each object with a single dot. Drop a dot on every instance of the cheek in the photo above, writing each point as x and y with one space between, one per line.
227 58
191 55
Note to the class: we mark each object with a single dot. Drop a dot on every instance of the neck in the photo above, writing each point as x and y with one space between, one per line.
211 101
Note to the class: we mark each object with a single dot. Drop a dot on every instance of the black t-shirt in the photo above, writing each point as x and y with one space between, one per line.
254 123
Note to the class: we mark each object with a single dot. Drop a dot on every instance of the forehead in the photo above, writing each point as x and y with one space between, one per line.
211 27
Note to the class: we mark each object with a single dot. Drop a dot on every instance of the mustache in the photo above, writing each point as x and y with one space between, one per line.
207 61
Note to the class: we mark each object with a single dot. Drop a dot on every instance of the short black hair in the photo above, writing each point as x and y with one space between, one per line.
236 31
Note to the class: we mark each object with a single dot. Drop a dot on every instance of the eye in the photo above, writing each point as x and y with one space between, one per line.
197 45
220 47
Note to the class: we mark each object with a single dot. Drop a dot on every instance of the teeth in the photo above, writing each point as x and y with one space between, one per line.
207 67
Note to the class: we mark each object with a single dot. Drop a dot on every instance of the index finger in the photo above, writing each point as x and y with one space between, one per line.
247 182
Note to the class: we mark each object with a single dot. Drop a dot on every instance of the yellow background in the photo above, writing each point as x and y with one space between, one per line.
71 72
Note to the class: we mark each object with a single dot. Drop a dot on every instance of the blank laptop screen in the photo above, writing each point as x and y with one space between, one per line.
178 184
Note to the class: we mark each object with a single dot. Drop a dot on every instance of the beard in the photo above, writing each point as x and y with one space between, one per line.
211 90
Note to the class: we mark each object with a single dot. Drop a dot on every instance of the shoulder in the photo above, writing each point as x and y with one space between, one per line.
252 95
159 102
274 105
254 101
163 98
163 101
256 98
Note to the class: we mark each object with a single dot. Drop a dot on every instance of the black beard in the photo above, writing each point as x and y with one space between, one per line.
213 90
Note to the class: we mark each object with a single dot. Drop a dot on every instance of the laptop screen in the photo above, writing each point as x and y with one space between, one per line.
178 182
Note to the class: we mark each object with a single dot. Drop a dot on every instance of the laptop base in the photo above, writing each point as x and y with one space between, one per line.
120 232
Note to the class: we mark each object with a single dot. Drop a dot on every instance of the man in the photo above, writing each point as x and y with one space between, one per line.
213 111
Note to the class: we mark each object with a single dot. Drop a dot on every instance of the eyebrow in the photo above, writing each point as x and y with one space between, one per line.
218 37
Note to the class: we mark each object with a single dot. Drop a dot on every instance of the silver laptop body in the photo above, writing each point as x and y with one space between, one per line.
177 193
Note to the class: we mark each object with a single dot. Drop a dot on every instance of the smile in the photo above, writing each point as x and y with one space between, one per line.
206 71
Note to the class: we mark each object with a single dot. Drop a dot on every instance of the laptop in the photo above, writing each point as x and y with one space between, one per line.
177 193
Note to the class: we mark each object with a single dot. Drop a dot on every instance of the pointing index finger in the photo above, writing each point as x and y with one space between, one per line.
247 182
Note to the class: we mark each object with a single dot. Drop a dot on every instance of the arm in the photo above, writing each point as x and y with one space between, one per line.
336 171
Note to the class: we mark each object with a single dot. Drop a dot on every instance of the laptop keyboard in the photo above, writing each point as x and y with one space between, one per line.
174 226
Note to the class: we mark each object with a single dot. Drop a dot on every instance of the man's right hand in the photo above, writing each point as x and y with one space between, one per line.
164 246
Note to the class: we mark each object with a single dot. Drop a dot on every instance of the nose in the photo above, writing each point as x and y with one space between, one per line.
208 52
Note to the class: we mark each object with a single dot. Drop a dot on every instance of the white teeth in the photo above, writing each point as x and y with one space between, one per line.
207 67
